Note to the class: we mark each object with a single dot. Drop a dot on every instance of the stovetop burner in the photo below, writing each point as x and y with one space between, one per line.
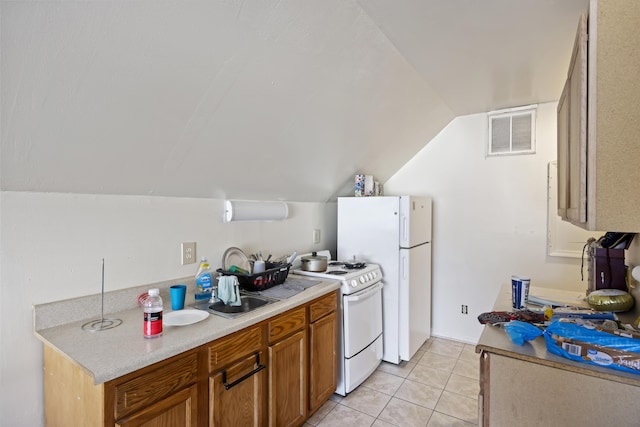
337 272
358 266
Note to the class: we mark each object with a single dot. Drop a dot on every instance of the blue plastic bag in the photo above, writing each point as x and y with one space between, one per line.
519 332
587 344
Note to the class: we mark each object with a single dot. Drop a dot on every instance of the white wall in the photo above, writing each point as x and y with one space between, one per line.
490 219
52 246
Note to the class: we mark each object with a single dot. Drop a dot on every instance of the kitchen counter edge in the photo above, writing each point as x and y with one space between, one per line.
112 353
495 340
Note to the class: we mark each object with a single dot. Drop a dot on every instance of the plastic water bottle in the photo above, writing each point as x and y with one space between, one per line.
152 307
204 280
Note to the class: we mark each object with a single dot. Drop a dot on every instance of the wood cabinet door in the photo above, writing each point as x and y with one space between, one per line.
242 401
288 381
563 151
576 193
323 364
177 410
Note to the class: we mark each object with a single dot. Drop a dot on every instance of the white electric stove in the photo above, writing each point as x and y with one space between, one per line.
360 320
353 280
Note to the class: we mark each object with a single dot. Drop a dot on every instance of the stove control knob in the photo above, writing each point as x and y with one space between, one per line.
369 277
374 274
354 283
362 279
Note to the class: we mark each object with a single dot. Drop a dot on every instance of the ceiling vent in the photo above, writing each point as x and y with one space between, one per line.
512 131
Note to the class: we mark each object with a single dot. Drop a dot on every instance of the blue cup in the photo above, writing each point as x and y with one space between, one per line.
178 293
519 292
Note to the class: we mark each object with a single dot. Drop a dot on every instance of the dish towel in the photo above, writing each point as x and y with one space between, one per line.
229 290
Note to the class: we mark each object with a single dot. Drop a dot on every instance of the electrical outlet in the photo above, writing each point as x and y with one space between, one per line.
464 309
316 236
188 250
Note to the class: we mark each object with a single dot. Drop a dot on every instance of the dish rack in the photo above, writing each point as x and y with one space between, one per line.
274 274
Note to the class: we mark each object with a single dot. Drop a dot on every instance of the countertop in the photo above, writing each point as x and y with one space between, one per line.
111 353
495 340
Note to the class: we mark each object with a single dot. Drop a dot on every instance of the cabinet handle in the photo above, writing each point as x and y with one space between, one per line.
247 375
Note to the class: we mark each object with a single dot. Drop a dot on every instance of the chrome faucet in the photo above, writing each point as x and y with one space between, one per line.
214 295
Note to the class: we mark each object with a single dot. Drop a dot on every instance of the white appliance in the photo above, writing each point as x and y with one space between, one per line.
359 319
394 232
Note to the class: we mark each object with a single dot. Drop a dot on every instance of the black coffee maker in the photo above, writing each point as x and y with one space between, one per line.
606 268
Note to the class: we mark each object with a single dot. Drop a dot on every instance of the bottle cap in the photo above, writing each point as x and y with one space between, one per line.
154 291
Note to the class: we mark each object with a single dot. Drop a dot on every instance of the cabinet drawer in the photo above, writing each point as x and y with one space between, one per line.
286 324
322 307
155 385
228 349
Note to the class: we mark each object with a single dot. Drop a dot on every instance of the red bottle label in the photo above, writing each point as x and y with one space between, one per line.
152 323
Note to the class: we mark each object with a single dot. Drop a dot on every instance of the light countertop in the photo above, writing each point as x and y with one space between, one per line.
495 340
111 353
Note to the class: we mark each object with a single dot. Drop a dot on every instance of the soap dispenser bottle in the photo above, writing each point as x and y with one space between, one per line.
204 280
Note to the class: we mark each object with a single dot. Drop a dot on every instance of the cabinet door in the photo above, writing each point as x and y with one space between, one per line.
242 401
323 367
288 381
576 193
563 151
177 410
528 402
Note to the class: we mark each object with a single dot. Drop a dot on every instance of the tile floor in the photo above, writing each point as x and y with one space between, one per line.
438 387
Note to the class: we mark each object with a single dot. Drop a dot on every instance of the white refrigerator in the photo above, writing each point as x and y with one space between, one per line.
394 232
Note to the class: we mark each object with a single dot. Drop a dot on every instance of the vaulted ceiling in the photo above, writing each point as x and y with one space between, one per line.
257 99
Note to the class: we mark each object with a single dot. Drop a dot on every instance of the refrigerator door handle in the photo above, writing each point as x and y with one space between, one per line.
405 229
404 267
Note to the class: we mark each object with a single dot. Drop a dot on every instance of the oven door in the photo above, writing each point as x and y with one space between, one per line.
362 319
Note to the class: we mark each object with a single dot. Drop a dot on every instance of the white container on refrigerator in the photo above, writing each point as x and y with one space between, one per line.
394 232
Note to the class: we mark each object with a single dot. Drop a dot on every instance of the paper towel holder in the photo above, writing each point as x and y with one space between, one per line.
255 210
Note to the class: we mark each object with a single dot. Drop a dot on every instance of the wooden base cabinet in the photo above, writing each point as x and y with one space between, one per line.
237 394
238 379
323 352
303 361
276 373
288 369
163 395
288 381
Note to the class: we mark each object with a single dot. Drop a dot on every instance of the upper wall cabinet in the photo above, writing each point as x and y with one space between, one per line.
599 121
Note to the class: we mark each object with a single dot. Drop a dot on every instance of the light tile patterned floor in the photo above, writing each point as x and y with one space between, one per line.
438 387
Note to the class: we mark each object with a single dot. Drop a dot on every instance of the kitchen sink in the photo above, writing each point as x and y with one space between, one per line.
248 304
